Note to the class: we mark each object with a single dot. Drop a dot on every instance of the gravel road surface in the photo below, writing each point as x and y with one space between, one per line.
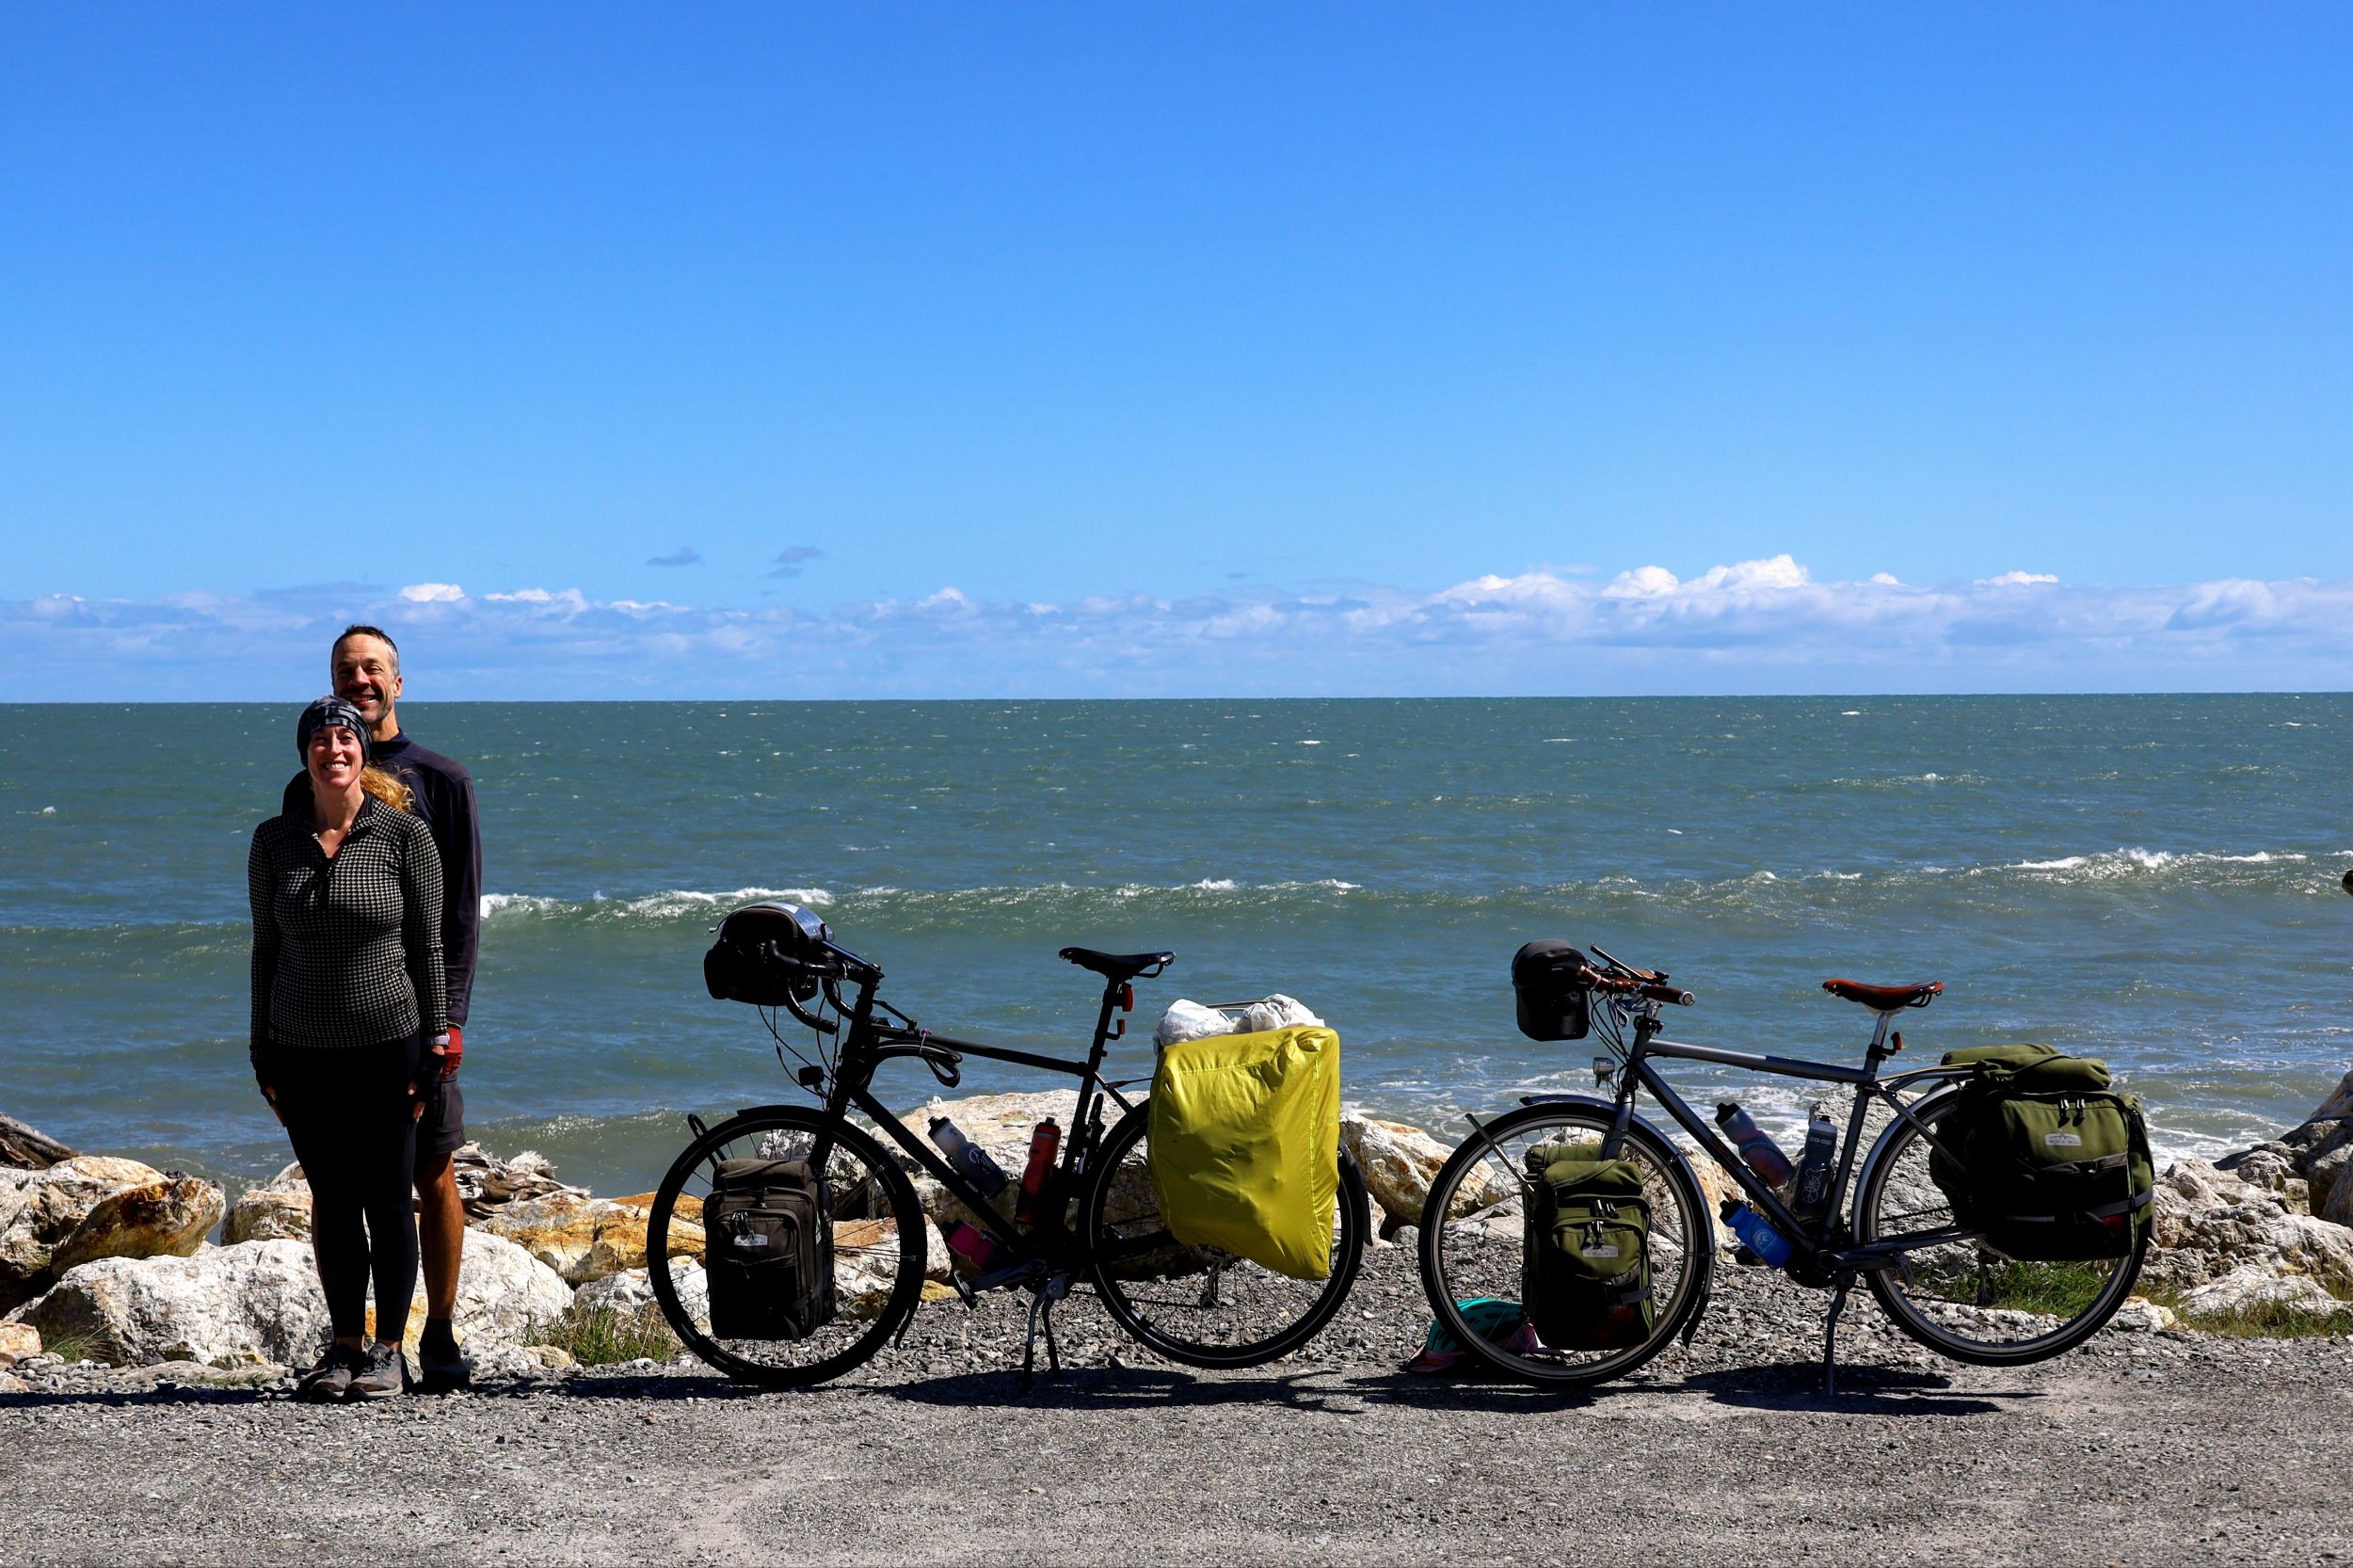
2142 1447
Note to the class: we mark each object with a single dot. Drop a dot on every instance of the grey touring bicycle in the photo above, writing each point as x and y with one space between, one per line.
1886 1220
854 1241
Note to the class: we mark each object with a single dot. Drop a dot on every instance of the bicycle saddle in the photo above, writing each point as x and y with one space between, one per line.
1118 966
1885 998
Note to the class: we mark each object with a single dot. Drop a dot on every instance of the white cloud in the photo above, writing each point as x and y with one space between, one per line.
1760 625
1641 583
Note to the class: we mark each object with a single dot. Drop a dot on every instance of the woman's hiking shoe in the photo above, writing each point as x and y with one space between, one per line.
330 1382
441 1365
383 1375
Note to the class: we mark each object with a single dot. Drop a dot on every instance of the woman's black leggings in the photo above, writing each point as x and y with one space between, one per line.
347 1111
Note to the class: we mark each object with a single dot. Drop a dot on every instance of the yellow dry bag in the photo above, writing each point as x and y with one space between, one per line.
1246 1146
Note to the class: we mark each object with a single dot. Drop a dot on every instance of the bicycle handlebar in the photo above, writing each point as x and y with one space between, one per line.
1628 985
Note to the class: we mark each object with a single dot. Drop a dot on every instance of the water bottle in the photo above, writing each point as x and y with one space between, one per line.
967 1159
1757 1234
970 1246
1756 1146
1045 1143
1821 1138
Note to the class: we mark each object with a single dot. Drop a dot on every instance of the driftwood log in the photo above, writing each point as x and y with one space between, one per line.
28 1148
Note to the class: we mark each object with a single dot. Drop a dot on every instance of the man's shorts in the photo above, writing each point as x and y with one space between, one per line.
443 1128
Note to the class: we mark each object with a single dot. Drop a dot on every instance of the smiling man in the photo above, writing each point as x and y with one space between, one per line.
365 667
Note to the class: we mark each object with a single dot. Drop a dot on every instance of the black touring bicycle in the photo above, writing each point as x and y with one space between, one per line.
817 1246
1998 1212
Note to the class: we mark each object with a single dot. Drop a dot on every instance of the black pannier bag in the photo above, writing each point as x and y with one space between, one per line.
768 1251
761 954
2043 1158
1553 1004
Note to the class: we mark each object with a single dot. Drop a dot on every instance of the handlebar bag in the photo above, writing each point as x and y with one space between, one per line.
1552 1005
758 955
1245 1142
768 1250
1585 1254
2043 1159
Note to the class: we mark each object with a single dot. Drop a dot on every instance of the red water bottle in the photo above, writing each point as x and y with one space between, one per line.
1045 1143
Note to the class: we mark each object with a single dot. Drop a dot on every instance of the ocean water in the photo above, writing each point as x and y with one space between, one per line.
2150 879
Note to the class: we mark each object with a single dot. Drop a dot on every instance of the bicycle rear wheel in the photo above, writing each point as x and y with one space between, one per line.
879 1246
1198 1304
1473 1244
1961 1297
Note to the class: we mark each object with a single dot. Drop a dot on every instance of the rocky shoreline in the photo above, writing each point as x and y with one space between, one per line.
113 1274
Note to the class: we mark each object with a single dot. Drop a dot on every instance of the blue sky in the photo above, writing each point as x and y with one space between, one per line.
1069 350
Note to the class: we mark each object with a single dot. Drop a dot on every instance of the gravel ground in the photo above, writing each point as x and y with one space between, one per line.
2140 1447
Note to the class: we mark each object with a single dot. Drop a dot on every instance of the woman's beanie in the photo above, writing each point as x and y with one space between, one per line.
326 713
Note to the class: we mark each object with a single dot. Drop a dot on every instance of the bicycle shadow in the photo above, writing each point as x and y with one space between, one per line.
1792 1388
1115 1388
1796 1387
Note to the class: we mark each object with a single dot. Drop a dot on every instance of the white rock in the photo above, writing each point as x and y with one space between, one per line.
583 1238
2253 1286
1000 1124
269 1214
92 1207
2208 1223
234 1306
504 1295
493 1363
2139 1315
631 1291
1398 1162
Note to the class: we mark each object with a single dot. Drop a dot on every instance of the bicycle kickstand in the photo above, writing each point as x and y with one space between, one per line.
1041 1316
1830 1336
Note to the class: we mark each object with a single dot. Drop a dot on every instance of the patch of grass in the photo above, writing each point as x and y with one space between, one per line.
605 1336
2056 1289
72 1347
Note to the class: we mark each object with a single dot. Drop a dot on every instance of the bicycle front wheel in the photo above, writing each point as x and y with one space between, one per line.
1201 1305
879 1244
1474 1244
1960 1297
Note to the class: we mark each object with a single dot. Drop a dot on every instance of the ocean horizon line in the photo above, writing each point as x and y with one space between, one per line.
2084 693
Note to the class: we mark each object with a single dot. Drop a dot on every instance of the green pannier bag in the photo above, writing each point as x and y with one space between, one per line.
1585 1258
2043 1158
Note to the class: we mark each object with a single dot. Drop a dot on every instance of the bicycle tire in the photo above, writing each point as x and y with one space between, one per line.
1472 1244
2001 1324
878 1275
1241 1314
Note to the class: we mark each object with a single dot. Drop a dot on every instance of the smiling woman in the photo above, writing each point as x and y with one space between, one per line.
348 985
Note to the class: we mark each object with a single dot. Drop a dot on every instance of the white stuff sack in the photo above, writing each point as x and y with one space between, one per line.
1277 1012
1190 1020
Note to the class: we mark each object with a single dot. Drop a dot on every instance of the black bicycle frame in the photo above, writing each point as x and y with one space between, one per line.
1813 1242
869 1043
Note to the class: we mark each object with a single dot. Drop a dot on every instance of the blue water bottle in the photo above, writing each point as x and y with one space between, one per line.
1757 1233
